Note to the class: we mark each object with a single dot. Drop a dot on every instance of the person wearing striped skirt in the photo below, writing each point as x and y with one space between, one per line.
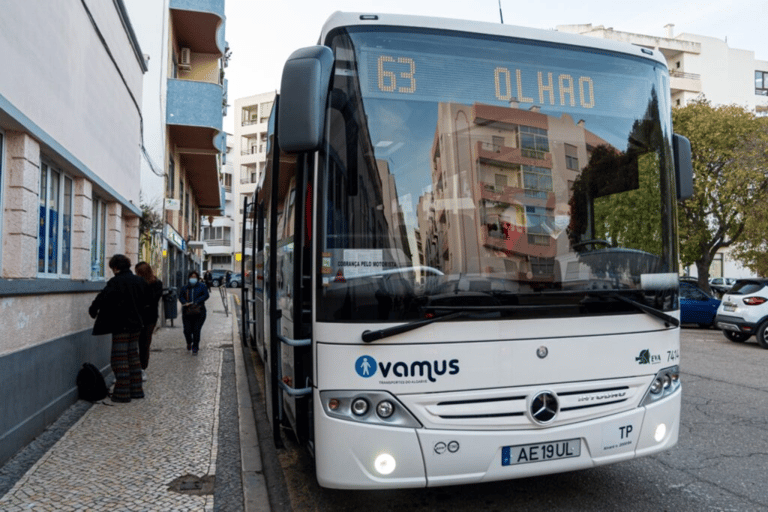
118 310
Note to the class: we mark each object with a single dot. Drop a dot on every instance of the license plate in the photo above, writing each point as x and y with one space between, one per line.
729 307
540 452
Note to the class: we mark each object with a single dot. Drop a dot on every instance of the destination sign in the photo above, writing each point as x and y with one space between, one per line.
440 77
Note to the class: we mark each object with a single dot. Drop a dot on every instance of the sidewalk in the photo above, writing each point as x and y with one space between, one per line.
178 449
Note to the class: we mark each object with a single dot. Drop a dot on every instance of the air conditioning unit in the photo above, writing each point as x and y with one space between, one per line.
185 60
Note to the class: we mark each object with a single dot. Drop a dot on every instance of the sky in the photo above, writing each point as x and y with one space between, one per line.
262 34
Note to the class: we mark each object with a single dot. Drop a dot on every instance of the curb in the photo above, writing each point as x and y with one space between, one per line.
255 495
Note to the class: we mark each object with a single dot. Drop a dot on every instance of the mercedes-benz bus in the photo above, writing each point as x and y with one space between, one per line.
465 253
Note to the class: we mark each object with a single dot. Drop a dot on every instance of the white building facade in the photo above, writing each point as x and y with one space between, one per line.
219 233
250 155
702 66
70 146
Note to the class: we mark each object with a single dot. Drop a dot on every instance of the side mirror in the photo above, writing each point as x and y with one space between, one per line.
683 166
303 93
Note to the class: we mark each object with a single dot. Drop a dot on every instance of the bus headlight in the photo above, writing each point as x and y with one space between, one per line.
666 382
384 464
359 406
385 409
356 406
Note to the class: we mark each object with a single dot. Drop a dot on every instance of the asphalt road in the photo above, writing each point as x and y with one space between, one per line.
720 462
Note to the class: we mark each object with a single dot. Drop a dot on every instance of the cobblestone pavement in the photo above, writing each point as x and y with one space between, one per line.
154 454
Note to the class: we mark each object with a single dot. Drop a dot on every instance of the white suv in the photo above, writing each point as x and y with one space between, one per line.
744 311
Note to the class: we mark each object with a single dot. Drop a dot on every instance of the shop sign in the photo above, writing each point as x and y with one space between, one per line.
174 236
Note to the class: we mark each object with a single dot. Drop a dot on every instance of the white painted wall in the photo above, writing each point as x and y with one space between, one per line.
150 23
727 74
57 72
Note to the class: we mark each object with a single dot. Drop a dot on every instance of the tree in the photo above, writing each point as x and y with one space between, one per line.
752 251
729 147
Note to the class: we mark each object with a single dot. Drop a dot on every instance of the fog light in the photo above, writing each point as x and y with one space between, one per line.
333 404
660 432
385 409
384 464
359 406
657 386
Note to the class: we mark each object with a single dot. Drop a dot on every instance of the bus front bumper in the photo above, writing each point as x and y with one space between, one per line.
351 455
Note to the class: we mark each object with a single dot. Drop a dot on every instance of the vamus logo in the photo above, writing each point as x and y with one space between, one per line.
366 366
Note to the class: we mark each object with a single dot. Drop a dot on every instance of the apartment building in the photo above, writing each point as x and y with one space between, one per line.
195 142
699 65
250 154
702 66
184 105
70 149
218 232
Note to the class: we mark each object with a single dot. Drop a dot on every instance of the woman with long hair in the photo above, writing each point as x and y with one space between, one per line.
155 285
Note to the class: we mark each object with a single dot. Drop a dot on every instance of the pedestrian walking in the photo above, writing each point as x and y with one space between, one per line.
150 316
118 311
192 297
208 278
228 278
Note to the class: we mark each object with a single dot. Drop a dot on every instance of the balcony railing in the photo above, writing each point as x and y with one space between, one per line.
253 151
218 242
680 74
496 148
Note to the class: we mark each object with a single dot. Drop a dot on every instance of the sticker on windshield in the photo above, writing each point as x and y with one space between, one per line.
359 262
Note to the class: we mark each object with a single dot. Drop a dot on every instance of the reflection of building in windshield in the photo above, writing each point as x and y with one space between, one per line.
501 184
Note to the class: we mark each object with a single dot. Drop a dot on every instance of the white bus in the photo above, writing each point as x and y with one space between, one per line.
465 253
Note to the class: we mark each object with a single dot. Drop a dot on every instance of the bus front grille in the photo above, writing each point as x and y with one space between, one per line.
497 409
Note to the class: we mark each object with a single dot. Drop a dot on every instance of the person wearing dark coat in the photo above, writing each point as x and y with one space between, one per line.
192 297
118 310
151 315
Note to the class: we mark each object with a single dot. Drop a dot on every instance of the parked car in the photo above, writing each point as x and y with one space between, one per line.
236 280
744 311
696 306
721 285
218 276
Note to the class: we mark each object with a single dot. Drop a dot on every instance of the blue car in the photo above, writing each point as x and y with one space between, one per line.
696 306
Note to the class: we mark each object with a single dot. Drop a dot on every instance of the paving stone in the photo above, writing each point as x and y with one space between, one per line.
124 456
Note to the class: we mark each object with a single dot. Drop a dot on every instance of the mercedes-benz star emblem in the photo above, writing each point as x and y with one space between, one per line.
544 407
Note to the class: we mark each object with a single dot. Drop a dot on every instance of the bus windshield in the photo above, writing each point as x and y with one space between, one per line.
528 178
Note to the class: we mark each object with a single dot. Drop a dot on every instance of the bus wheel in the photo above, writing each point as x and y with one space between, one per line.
736 336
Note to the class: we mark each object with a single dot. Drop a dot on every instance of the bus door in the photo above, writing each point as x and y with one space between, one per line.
292 292
258 313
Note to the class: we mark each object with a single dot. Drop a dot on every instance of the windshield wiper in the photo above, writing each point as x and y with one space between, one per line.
667 319
369 336
454 312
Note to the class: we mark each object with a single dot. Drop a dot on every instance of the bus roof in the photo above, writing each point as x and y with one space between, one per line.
350 19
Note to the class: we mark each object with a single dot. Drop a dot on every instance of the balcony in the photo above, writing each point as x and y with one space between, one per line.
505 155
194 120
195 104
680 81
199 25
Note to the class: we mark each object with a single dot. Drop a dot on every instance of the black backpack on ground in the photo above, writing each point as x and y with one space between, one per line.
91 385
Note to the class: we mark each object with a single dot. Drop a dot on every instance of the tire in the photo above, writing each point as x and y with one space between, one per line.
234 284
762 335
216 282
738 337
